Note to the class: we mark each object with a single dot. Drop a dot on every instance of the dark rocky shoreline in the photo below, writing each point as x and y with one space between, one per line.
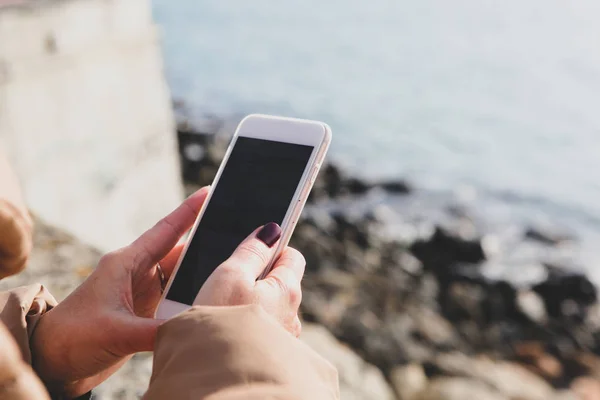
423 304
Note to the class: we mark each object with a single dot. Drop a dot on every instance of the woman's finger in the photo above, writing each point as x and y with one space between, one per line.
296 328
168 263
283 282
253 255
159 240
281 287
292 259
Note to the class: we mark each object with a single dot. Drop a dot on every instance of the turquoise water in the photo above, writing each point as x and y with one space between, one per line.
501 96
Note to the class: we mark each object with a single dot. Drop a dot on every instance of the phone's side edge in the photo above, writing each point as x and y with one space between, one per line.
306 187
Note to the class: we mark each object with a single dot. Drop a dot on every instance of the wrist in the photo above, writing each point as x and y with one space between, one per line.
49 357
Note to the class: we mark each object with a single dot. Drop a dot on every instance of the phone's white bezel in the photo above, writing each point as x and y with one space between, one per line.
280 129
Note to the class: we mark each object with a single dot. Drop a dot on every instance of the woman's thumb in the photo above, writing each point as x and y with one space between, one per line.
254 254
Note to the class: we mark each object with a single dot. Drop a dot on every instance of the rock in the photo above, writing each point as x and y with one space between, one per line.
318 308
331 180
356 186
590 363
351 231
333 280
383 343
318 249
381 214
426 291
547 237
410 342
194 155
358 380
396 187
508 379
316 195
467 295
491 245
408 381
433 328
535 358
586 388
322 220
564 395
463 228
409 263
462 301
459 389
444 250
559 288
532 306
382 349
500 302
547 366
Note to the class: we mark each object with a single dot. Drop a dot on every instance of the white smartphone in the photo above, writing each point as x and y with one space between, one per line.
266 176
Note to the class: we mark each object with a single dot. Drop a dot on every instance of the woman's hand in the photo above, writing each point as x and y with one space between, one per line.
89 335
234 282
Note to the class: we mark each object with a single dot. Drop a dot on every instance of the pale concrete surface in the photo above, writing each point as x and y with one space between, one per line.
86 118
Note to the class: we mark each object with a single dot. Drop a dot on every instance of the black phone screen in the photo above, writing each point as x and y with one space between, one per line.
256 187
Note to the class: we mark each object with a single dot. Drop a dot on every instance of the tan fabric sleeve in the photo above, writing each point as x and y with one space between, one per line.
15 222
20 310
234 353
17 379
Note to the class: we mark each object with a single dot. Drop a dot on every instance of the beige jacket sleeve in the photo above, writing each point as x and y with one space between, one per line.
235 353
20 310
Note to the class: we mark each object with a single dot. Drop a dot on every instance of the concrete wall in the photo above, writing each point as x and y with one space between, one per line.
86 118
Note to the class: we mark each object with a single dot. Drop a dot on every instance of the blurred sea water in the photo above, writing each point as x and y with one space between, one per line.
498 97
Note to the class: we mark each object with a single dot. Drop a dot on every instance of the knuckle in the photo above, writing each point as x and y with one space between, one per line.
295 296
289 288
116 262
279 284
141 254
169 224
254 252
191 212
108 259
297 329
293 325
295 260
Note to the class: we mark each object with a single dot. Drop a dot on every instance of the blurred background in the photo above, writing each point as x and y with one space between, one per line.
451 240
498 97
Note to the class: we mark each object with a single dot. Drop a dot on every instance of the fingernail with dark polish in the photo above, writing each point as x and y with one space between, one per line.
269 234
